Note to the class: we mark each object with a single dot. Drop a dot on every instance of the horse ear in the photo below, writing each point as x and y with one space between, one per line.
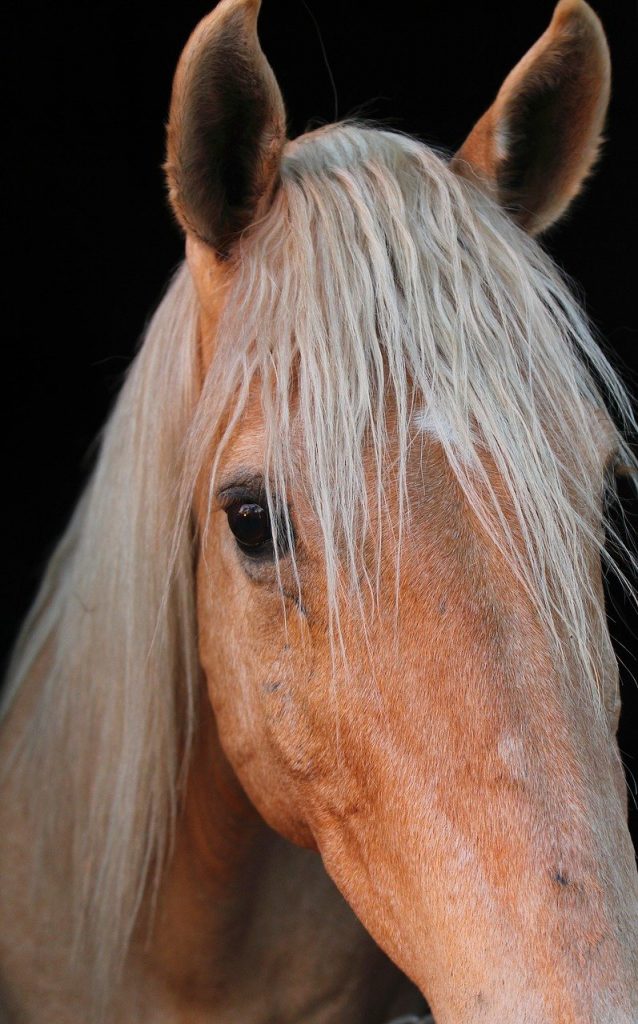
538 141
226 129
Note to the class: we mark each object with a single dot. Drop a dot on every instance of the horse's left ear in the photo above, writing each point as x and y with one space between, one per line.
226 128
538 141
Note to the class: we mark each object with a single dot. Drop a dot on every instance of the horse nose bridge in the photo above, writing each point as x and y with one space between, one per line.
539 925
490 936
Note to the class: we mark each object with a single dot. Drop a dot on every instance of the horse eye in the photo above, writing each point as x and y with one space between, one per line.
250 525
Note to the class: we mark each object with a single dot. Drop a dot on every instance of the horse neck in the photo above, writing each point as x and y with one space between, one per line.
246 924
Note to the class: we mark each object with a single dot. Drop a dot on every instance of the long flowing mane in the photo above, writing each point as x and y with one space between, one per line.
378 276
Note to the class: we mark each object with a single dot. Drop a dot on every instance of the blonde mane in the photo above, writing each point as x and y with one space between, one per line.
377 276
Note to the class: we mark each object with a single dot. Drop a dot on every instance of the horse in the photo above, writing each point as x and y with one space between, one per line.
314 716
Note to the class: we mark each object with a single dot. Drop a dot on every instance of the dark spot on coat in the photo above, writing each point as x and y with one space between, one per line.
271 686
294 597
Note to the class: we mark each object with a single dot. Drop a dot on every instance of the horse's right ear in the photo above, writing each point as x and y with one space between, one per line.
538 141
226 130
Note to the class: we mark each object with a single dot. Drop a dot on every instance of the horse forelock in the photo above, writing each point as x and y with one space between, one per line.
380 279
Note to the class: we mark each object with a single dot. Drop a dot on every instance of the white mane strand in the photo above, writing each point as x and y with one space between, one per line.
114 624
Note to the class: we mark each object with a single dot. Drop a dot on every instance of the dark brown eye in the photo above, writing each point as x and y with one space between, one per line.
250 524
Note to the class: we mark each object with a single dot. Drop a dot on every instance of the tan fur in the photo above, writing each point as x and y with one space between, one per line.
433 854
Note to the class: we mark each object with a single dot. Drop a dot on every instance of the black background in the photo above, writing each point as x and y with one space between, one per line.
91 243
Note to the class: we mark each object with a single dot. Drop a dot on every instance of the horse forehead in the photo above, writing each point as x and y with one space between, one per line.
427 469
249 435
249 442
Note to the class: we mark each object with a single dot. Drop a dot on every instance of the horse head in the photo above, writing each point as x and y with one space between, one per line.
399 465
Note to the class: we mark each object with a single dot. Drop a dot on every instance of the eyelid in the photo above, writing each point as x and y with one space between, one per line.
246 486
230 496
